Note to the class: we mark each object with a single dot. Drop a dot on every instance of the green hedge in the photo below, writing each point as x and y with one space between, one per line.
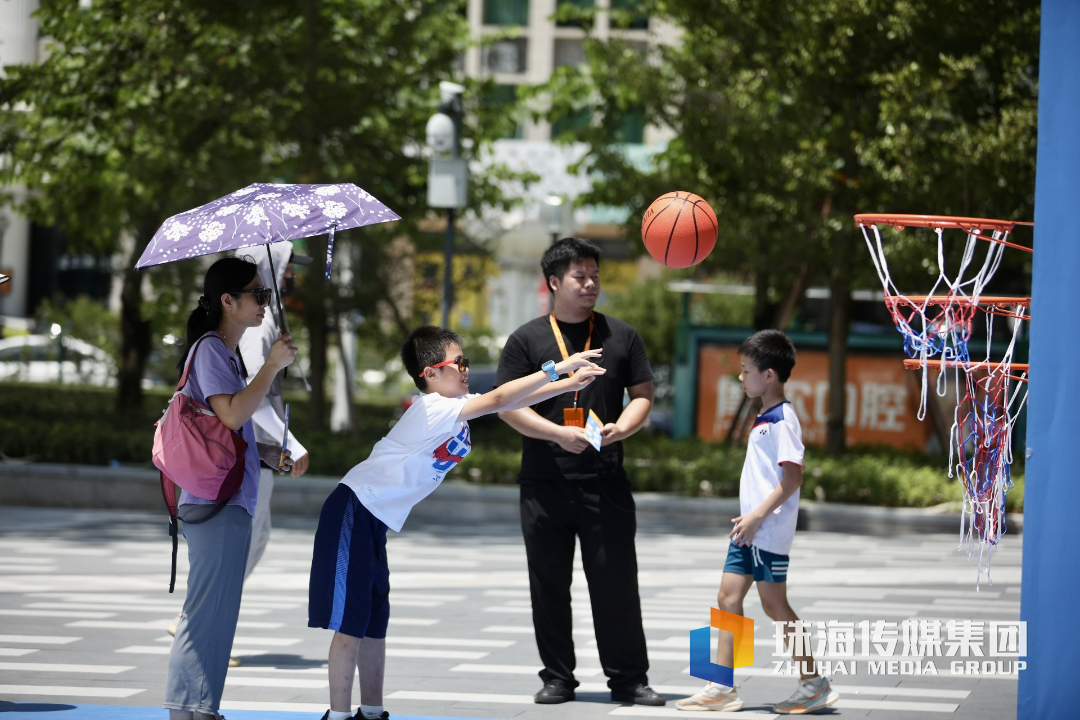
80 425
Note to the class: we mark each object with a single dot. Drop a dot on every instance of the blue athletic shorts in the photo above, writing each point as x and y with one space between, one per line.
349 591
762 564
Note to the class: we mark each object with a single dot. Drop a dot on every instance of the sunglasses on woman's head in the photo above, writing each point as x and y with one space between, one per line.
262 295
461 362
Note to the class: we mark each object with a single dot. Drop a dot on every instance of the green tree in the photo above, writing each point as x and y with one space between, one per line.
791 117
146 108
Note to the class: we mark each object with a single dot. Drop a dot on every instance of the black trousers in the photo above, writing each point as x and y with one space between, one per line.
601 513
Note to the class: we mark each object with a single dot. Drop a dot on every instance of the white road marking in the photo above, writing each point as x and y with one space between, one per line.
273 706
39 639
277 682
461 697
416 622
65 690
509 629
65 668
271 642
58 613
519 669
639 711
901 691
436 654
16 652
448 642
123 624
850 704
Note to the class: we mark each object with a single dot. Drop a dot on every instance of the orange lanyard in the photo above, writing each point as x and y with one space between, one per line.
562 344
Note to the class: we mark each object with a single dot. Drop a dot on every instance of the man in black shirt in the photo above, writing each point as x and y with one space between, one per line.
569 489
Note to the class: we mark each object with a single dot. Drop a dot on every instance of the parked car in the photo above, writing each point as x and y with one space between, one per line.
44 358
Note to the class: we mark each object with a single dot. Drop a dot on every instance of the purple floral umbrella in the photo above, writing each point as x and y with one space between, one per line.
261 214
264 213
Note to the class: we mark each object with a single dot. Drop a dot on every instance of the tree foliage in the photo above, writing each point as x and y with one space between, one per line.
146 108
791 117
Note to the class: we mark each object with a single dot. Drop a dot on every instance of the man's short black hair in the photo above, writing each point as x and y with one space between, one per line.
770 350
562 254
426 346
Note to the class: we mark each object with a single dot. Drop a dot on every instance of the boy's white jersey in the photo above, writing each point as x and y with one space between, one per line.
775 438
409 463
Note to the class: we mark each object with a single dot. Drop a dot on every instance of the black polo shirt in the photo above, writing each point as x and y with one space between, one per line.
627 365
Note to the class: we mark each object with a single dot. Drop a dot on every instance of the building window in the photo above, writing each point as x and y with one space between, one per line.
506 12
631 128
628 14
571 122
569 52
573 9
506 56
502 101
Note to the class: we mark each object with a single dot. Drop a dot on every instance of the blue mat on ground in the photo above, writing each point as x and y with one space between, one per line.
70 711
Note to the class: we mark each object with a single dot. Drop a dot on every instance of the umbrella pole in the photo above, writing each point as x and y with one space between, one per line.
277 298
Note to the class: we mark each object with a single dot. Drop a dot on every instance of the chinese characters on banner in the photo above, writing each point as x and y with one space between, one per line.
882 398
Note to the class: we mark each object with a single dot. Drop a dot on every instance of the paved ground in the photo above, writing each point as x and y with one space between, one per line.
84 606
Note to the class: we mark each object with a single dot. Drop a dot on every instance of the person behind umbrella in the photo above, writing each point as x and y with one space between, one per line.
218 536
269 418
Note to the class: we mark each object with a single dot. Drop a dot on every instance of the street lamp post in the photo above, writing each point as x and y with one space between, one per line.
447 175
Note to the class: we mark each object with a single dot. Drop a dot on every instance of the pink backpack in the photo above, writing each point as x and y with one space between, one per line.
195 451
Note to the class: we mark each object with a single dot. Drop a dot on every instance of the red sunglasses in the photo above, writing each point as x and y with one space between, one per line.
461 362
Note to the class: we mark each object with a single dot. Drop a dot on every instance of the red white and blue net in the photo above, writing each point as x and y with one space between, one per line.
989 392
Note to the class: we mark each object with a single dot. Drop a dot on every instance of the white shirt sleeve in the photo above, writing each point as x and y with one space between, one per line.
430 415
789 444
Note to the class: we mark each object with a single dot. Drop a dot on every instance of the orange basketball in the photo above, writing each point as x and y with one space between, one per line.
679 229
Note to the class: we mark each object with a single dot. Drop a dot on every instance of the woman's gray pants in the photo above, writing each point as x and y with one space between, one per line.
217 554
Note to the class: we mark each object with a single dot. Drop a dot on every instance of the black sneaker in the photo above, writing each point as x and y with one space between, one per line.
553 693
360 715
638 695
326 716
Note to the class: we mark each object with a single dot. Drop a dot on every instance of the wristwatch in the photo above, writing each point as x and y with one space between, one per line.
549 368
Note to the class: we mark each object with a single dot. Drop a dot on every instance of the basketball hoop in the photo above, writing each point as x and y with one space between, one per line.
937 332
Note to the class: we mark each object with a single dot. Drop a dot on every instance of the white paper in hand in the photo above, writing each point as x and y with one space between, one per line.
593 427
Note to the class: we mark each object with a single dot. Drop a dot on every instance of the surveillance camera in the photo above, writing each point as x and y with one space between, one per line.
449 90
440 134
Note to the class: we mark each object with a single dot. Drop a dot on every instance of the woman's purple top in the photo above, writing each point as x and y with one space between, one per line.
216 371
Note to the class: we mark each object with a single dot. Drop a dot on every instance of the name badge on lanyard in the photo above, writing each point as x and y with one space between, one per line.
572 416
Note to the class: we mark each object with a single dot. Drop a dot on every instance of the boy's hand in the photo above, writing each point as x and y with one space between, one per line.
746 527
583 377
578 361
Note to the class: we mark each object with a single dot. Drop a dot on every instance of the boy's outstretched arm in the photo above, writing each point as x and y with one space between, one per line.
536 387
746 526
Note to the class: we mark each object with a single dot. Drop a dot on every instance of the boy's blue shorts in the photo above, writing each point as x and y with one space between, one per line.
762 564
349 589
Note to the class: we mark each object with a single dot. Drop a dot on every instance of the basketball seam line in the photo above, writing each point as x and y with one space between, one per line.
658 214
674 224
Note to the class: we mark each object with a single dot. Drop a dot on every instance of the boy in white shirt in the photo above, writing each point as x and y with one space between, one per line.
350 580
763 532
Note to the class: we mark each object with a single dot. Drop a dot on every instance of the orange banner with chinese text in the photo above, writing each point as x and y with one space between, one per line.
882 398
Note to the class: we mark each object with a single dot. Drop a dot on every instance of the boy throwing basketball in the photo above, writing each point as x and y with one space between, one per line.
762 536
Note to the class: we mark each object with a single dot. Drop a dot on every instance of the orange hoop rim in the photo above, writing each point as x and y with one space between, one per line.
975 226
916 364
989 300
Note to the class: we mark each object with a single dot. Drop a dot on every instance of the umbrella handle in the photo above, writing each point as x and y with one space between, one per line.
330 250
277 298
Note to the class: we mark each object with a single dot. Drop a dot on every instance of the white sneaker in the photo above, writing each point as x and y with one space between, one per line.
712 697
812 694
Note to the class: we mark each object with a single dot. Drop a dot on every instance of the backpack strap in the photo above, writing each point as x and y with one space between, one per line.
191 358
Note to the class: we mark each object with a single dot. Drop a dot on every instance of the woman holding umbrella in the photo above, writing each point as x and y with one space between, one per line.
218 535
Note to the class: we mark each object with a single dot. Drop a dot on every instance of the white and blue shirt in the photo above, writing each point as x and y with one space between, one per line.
409 463
775 438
